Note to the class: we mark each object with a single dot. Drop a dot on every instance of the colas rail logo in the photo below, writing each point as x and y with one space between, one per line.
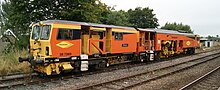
64 44
188 43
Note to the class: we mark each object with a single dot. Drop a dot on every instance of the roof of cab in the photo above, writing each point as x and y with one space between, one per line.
166 31
87 24
120 27
172 32
146 30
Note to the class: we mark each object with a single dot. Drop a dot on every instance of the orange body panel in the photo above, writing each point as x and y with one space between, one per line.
129 39
73 49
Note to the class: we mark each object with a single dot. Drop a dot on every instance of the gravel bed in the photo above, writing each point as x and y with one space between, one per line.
178 80
75 82
148 76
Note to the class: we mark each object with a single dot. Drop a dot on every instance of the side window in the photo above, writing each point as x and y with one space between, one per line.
118 36
68 34
76 34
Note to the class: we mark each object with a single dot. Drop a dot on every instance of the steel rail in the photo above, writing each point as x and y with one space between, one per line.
53 79
165 75
199 79
127 77
23 75
17 76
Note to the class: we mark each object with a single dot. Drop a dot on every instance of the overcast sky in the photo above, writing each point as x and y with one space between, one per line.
202 15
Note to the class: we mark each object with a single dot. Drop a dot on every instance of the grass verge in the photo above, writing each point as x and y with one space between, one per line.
9 63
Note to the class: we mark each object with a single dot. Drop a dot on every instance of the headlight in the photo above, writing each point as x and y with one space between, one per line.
47 51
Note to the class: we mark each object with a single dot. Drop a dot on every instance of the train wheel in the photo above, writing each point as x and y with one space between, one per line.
107 64
193 50
141 58
77 66
102 64
157 56
41 75
135 58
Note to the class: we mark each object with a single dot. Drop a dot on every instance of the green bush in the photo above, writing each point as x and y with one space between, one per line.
22 43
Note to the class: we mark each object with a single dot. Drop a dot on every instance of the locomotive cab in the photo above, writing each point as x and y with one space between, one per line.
53 48
40 42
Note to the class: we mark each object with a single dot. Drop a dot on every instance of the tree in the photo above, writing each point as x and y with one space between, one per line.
119 18
142 18
19 14
176 26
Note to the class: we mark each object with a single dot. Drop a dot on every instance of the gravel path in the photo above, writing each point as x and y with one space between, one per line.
75 82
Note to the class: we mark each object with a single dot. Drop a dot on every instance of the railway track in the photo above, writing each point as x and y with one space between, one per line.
128 82
209 81
28 79
25 75
17 76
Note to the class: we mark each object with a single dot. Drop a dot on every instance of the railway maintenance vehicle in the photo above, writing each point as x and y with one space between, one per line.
58 45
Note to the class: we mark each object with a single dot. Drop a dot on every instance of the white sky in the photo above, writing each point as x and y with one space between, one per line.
202 15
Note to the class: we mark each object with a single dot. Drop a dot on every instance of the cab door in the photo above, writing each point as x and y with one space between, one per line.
150 40
93 40
97 40
142 42
40 41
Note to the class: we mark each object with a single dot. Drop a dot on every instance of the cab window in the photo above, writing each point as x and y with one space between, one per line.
36 32
68 34
45 33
